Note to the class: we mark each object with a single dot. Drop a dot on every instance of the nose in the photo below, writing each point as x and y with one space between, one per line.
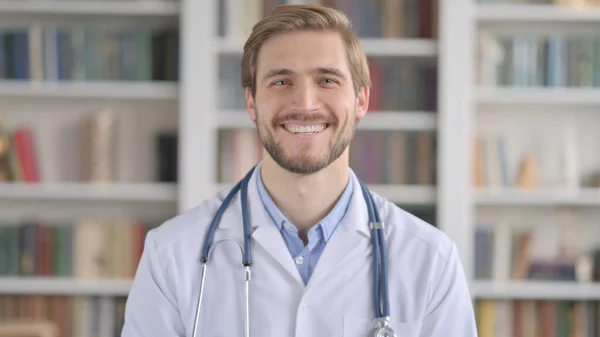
305 97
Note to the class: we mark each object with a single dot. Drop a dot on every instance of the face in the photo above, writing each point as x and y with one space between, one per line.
305 107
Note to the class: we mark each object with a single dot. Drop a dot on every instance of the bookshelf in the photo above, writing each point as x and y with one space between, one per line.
535 196
90 118
204 105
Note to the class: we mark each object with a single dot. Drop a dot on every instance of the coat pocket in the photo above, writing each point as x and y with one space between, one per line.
361 327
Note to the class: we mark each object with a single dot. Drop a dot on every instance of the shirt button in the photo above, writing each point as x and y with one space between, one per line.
299 260
288 227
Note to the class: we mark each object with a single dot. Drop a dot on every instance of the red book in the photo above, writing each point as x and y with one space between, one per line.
26 154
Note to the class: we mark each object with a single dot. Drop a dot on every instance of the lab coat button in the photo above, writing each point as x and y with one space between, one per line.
299 260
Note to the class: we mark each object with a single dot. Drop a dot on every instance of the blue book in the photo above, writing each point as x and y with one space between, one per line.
21 55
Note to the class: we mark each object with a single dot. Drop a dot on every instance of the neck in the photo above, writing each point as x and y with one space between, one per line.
305 199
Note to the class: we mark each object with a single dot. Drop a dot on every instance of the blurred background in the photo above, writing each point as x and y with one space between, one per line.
115 115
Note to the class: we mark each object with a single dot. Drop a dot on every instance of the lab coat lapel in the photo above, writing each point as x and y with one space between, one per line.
266 235
349 239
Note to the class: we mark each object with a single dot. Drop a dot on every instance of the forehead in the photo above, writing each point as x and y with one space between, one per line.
303 51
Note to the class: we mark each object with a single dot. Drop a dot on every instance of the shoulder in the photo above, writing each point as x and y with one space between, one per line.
191 223
407 231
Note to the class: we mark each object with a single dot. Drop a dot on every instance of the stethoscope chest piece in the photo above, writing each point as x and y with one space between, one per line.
384 332
383 328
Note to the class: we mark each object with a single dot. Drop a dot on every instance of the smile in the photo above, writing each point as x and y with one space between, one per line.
305 129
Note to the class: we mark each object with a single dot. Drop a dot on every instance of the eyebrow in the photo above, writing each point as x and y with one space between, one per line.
331 71
321 70
277 72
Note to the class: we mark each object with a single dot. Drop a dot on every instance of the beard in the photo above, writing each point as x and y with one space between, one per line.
306 163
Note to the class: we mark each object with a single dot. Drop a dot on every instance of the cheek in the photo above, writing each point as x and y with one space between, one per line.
339 99
266 109
342 108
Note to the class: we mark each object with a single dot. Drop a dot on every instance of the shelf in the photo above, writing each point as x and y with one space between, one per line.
374 120
406 194
536 290
91 7
400 47
372 46
537 13
401 120
89 90
63 286
539 96
541 197
143 192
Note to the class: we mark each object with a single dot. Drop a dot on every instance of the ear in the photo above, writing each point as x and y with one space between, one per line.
250 106
362 101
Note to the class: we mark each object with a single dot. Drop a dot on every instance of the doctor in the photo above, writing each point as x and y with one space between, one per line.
313 270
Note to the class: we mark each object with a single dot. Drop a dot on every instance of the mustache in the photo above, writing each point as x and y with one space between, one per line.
304 117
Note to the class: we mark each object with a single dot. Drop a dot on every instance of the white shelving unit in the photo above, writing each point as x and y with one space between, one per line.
525 111
54 108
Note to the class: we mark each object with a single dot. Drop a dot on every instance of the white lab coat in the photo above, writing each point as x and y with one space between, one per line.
429 295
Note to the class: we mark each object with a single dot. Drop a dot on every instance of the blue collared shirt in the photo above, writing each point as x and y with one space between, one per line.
306 257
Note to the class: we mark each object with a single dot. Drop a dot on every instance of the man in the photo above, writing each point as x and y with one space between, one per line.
307 86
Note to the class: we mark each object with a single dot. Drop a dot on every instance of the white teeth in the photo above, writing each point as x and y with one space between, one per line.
305 128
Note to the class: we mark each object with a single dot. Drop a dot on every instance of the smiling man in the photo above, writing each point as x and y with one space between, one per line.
298 250
302 94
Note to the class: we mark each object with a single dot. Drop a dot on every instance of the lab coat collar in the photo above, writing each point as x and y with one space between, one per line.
343 245
356 218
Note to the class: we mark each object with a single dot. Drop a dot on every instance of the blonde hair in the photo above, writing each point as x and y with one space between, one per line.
293 18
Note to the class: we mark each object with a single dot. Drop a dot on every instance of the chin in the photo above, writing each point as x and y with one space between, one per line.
300 156
304 163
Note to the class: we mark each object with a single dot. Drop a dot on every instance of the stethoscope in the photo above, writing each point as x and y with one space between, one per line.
380 285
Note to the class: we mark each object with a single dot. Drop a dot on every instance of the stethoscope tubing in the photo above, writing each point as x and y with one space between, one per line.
380 285
380 282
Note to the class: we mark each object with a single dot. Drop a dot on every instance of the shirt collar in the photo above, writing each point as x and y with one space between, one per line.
327 224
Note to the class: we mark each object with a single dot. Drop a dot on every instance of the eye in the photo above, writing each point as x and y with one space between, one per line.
329 81
280 82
